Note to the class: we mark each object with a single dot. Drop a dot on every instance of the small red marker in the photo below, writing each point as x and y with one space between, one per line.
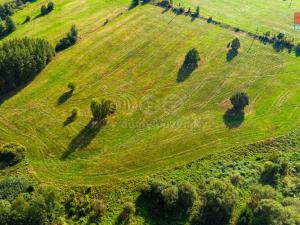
297 18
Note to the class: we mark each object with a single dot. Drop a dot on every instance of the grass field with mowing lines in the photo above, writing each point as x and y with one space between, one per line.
251 15
160 123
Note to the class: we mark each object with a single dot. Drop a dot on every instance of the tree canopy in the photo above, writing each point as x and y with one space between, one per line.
21 60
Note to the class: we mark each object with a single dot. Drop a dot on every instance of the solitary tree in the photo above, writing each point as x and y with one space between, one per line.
239 101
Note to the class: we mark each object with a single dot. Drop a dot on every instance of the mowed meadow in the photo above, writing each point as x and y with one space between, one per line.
251 15
161 120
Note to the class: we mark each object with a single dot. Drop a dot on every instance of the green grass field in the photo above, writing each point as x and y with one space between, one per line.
134 60
252 15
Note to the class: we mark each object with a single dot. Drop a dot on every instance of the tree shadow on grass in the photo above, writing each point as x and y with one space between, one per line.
84 138
233 118
64 97
231 54
185 71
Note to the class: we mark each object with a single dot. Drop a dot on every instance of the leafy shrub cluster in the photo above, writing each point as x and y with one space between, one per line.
11 154
169 199
84 210
233 192
219 199
274 170
21 204
268 207
11 187
100 110
47 9
21 60
67 41
279 41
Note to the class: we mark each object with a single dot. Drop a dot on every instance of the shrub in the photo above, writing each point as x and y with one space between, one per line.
71 86
5 208
75 112
72 35
2 27
11 187
271 212
44 10
21 60
128 210
11 154
50 6
45 207
47 9
273 172
170 197
28 18
68 41
100 110
235 44
197 11
187 195
19 211
219 200
170 200
239 101
98 209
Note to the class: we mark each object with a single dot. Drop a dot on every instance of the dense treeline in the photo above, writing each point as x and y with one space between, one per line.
21 60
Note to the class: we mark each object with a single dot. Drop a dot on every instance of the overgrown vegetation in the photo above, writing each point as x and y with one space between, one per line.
21 60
